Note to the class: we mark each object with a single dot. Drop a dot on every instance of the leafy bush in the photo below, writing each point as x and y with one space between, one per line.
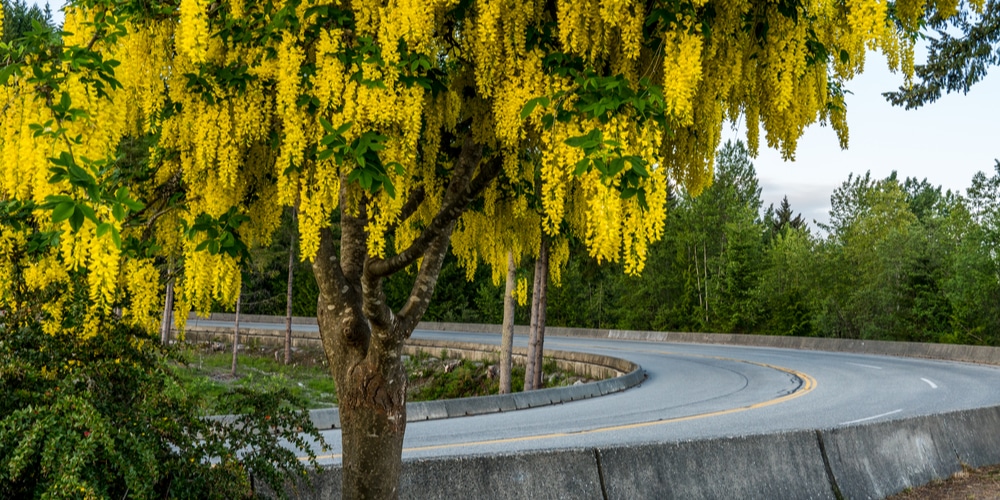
104 417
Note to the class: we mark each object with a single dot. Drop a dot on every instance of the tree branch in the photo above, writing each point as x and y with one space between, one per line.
423 287
410 207
327 268
374 305
461 192
353 238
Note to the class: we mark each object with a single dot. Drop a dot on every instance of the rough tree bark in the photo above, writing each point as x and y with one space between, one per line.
507 332
363 338
288 294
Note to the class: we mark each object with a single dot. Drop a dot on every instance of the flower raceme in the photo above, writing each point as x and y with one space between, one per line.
594 109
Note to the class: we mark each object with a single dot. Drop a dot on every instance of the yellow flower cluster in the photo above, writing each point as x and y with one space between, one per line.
521 291
489 236
207 278
192 32
681 72
249 146
141 281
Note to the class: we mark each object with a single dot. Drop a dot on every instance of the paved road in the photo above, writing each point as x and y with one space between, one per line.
697 391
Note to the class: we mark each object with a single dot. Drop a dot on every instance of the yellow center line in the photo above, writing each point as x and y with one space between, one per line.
808 384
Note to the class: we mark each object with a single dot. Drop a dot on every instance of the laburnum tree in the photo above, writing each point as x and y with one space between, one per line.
397 129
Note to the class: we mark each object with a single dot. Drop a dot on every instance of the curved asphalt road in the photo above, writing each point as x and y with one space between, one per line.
697 391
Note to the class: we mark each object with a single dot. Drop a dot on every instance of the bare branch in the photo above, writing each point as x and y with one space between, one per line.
410 207
423 287
461 192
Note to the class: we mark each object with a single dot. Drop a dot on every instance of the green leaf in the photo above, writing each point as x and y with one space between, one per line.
638 165
63 211
118 212
582 166
617 165
532 104
326 125
76 220
88 213
628 193
133 205
7 71
103 229
116 237
201 246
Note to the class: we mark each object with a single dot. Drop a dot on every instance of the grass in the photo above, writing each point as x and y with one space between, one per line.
206 375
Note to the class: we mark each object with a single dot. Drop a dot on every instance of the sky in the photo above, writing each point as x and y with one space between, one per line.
946 142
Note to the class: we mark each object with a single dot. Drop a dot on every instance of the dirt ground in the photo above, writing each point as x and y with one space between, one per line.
970 484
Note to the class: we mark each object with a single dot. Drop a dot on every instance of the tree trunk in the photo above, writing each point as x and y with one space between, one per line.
543 286
236 330
166 324
507 335
363 337
288 294
529 365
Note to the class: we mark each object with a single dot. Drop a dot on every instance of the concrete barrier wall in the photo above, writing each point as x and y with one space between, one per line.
952 352
859 462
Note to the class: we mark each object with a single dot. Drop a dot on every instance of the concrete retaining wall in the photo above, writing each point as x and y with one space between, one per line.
860 462
951 352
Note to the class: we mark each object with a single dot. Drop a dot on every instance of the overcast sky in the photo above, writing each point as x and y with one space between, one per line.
946 142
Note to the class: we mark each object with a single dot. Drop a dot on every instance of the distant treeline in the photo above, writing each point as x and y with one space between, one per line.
898 260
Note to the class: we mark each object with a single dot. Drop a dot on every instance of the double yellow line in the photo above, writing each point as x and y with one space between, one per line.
808 384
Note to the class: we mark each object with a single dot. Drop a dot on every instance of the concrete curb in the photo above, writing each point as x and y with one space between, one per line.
626 375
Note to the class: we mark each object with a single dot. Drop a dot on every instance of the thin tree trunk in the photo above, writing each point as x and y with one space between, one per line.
529 368
236 330
166 325
697 277
288 295
704 248
507 335
543 286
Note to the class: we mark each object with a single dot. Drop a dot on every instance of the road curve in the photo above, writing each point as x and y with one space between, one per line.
697 391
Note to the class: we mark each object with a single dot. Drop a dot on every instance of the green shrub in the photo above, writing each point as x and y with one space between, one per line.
106 418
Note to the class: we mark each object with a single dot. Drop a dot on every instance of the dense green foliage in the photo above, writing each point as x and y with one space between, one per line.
897 260
104 418
19 16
